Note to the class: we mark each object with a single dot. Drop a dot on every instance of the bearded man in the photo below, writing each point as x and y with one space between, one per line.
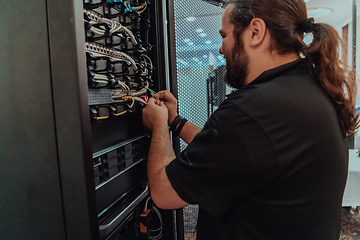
271 162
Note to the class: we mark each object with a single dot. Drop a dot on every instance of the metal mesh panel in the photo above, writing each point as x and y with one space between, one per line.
198 60
200 72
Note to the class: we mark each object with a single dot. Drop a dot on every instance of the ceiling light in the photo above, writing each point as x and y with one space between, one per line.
190 19
199 30
180 61
187 40
319 12
208 42
202 34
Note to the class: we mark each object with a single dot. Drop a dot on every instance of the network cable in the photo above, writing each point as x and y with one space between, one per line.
100 50
101 80
160 234
121 4
153 93
159 229
125 99
125 91
114 27
148 64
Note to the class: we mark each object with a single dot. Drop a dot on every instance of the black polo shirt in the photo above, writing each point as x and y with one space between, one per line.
270 163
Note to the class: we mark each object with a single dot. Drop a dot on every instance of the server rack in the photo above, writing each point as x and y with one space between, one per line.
73 147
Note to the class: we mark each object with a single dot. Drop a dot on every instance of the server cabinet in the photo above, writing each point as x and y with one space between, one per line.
29 174
73 148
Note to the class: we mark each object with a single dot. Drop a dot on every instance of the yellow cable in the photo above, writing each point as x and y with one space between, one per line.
144 6
133 101
121 113
100 118
126 98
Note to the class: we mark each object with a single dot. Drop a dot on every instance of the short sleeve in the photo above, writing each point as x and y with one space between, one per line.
223 164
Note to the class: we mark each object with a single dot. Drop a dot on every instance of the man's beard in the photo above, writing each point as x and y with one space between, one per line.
237 67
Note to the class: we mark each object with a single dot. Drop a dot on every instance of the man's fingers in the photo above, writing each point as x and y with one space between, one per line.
151 101
165 95
154 101
163 92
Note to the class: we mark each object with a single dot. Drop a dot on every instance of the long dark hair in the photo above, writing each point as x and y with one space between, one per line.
284 20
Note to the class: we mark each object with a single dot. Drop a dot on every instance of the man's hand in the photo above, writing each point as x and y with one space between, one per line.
154 114
170 102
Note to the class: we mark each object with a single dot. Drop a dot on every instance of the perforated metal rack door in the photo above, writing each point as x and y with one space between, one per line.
199 65
199 70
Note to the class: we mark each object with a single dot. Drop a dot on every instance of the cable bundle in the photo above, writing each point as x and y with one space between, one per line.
124 6
95 20
117 60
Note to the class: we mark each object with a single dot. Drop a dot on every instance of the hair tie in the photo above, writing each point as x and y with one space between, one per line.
307 25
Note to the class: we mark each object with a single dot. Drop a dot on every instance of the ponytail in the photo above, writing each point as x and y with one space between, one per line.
338 79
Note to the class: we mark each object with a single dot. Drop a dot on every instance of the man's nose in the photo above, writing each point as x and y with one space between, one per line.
221 51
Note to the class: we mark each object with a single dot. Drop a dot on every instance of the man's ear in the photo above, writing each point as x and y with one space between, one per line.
257 28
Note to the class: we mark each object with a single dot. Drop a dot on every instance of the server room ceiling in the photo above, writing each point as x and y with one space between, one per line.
341 10
198 23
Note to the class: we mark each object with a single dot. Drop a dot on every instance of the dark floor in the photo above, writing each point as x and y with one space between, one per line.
350 223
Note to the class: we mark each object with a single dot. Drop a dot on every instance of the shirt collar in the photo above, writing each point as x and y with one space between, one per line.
276 72
270 74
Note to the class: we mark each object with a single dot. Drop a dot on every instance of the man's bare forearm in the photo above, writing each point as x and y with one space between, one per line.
160 155
189 131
